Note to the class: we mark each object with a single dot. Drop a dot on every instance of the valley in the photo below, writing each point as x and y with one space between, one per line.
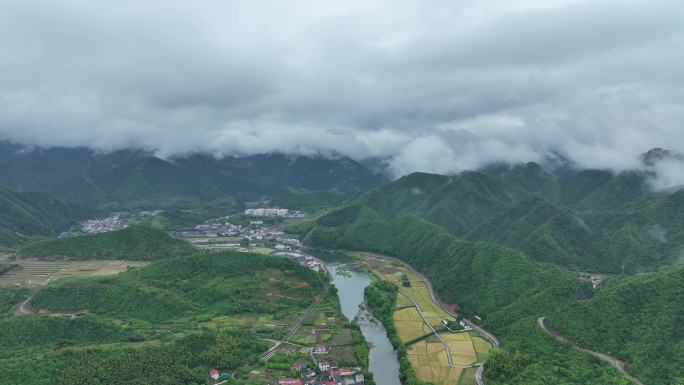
174 286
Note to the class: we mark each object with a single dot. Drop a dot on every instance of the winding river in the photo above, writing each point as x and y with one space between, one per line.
383 361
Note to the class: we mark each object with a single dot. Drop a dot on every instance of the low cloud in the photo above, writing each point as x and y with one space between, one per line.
425 85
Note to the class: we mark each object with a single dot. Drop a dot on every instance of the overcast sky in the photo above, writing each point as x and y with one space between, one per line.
436 86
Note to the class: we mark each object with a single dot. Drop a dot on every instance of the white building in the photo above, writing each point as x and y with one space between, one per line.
263 212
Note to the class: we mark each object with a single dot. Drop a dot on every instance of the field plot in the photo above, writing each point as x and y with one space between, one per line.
36 273
428 356
462 349
409 324
430 362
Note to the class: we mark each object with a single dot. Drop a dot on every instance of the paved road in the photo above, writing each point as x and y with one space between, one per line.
617 364
489 336
435 298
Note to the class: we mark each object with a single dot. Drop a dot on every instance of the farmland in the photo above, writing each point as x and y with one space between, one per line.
437 355
29 273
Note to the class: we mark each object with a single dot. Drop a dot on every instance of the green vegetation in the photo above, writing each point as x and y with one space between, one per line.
137 180
636 319
6 266
381 297
166 323
218 284
132 243
24 216
309 201
590 220
9 298
172 219
503 286
185 361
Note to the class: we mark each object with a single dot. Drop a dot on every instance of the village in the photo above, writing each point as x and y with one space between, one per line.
103 225
252 236
320 349
301 373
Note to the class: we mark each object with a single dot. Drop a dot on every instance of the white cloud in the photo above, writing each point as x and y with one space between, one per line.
427 85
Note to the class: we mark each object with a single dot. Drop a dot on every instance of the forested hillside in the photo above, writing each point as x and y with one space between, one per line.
142 243
138 179
229 283
153 325
586 220
29 215
506 288
636 319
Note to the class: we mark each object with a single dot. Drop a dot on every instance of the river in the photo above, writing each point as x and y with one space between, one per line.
383 362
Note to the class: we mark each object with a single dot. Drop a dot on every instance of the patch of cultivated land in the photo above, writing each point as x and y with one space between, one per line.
35 272
428 356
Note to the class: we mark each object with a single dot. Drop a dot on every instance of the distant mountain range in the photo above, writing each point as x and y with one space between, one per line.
504 243
136 178
590 219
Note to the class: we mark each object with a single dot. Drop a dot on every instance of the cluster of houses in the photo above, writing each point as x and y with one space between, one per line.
330 374
103 225
305 260
214 229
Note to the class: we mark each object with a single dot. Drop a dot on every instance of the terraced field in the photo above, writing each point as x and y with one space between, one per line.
38 273
429 356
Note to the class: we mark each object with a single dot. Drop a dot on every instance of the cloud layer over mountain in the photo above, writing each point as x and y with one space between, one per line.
428 85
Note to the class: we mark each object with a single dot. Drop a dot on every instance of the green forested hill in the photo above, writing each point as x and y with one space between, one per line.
629 316
506 288
637 319
224 283
132 243
27 215
588 220
155 325
541 230
138 179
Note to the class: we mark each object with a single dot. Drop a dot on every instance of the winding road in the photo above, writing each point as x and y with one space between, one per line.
435 298
614 362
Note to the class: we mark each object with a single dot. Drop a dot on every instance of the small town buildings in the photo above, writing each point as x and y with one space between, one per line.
320 349
263 212
324 366
297 367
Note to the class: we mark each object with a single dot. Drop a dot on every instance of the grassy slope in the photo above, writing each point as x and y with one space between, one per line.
132 243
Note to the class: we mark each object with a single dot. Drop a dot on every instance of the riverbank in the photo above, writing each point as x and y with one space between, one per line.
382 359
435 354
